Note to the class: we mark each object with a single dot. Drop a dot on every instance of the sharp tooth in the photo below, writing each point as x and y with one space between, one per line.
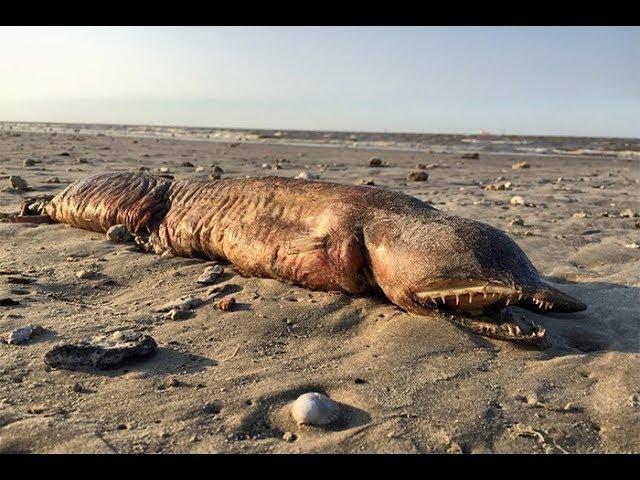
484 295
470 297
508 300
444 299
519 296
457 299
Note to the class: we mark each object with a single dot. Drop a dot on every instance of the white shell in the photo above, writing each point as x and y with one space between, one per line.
314 409
306 175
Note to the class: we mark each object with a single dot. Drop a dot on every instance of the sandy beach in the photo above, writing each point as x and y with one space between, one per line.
223 381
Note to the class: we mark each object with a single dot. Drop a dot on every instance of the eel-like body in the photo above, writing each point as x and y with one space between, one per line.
325 236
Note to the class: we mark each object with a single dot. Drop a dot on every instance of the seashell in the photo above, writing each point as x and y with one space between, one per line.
314 408
307 175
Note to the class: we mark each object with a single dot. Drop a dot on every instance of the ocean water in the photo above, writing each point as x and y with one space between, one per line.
420 142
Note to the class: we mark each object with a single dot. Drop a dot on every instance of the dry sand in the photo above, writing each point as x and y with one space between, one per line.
223 381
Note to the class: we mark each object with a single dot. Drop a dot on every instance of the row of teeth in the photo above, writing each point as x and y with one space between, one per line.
514 297
541 304
485 295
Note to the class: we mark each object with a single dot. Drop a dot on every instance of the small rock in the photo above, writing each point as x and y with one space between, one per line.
28 162
177 314
498 186
314 409
21 335
226 304
216 169
187 164
103 351
214 176
520 165
199 169
421 166
580 215
633 245
418 176
375 162
306 175
470 156
289 437
17 184
628 213
517 200
365 181
85 274
52 180
210 274
119 234
519 221
182 303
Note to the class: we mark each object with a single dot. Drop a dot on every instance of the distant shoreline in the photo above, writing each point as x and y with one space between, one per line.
626 148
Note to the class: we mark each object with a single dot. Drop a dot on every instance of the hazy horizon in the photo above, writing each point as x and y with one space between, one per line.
558 81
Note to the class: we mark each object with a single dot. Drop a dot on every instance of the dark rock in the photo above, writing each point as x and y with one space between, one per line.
471 156
103 351
418 176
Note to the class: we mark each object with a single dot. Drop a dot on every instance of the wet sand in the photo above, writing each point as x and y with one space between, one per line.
224 381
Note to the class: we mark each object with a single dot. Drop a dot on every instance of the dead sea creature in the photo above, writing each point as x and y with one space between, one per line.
325 236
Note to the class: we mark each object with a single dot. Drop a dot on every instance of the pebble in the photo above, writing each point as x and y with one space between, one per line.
418 176
289 437
226 304
210 274
580 215
119 234
471 156
28 162
498 186
375 162
52 180
177 314
365 181
21 335
306 175
520 165
182 303
628 213
85 274
17 184
102 351
314 408
519 221
516 200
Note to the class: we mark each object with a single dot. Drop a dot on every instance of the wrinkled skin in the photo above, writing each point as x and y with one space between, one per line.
325 236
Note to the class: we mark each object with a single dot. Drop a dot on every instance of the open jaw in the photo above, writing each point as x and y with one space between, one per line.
479 306
473 296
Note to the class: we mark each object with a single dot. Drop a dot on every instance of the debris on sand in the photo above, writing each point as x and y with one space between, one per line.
307 175
498 186
177 314
86 274
28 162
8 302
119 234
102 351
628 213
210 274
21 335
16 184
226 304
365 181
470 156
520 165
375 162
52 180
314 408
517 220
418 176
517 200
182 303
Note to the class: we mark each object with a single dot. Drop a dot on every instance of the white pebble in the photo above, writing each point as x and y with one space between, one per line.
314 409
306 175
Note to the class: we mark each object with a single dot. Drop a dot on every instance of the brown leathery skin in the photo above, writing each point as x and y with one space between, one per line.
319 235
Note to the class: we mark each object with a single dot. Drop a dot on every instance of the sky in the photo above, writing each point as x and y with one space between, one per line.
525 80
